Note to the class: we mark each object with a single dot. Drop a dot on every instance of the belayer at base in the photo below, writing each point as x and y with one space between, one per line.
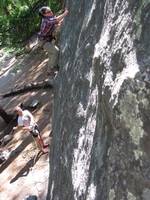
26 122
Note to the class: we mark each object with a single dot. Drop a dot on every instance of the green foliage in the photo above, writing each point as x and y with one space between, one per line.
19 19
55 5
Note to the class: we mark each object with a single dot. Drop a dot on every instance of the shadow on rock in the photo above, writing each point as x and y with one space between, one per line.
26 169
15 153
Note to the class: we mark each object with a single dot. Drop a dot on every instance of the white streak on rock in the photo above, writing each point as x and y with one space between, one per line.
91 192
82 154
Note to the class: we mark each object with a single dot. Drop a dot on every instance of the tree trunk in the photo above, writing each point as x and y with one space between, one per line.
6 117
30 87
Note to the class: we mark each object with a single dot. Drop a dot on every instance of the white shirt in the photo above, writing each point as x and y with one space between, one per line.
26 119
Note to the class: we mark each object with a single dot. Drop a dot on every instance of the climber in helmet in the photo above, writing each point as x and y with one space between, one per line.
49 23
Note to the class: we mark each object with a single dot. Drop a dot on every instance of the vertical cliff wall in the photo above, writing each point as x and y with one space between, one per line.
101 123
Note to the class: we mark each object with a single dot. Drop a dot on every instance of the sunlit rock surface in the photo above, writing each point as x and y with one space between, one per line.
101 123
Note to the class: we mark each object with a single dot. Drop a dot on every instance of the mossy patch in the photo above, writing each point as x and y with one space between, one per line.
130 115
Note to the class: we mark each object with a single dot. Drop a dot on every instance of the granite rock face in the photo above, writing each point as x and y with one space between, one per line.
101 123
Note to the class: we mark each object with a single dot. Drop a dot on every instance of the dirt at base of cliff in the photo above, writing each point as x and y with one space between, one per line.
26 171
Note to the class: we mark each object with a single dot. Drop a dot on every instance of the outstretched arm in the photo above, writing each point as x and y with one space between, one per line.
60 17
15 128
26 128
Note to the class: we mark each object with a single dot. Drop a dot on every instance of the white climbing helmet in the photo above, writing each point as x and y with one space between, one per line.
44 9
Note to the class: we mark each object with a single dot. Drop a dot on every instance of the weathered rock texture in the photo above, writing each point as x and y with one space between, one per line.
101 122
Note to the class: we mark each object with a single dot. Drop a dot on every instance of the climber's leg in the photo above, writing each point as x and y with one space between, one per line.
53 53
38 139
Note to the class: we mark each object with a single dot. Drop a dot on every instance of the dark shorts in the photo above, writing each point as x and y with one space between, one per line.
35 132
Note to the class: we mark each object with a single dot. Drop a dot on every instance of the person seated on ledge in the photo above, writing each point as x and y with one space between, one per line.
26 122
